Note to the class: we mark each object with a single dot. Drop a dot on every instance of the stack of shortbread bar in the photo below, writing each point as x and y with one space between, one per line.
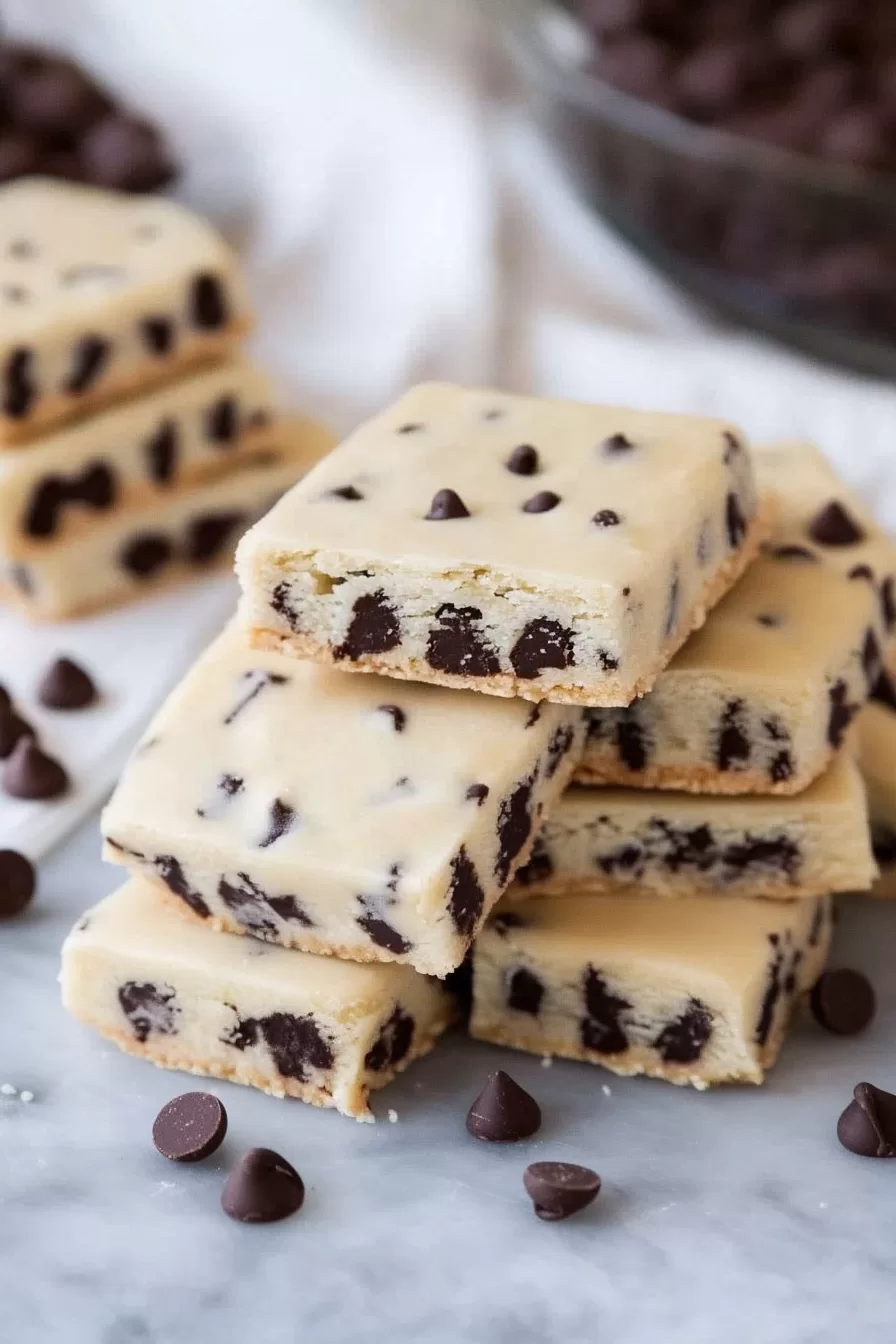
313 851
136 443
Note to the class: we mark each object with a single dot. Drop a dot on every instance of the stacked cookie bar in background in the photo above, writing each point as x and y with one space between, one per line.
136 443
312 850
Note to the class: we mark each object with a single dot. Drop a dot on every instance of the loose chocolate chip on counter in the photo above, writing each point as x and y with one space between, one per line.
396 714
145 554
868 1125
883 691
161 452
523 461
125 154
477 793
558 1189
65 685
191 1127
503 1112
222 420
18 385
833 526
606 518
158 334
90 356
262 1188
843 1002
208 303
53 98
543 502
20 155
30 773
615 444
447 504
17 882
345 492
12 729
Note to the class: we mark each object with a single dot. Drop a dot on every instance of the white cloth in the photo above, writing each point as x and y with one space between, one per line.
400 219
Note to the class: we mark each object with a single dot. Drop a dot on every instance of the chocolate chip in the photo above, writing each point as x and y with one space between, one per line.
47 498
540 866
616 443
21 155
374 627
883 692
161 452
253 907
65 685
503 1112
190 1127
145 554
222 420
833 526
514 827
861 572
297 1044
888 603
412 428
543 644
793 553
345 492
171 872
872 658
18 385
392 1044
543 502
734 745
630 744
841 713
843 1002
396 714
561 741
771 620
673 602
12 729
123 153
534 714
606 518
17 883
95 487
868 1125
262 1188
5 700
507 919
477 793
30 773
601 1028
382 934
149 1008
55 99
91 354
524 992
282 818
773 991
523 461
735 522
447 504
457 645
209 308
209 534
559 1189
258 678
158 337
781 767
682 1041
465 895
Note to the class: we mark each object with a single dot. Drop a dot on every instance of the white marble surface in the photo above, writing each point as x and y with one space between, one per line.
733 1216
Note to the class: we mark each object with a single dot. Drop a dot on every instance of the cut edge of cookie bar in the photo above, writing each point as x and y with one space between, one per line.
611 693
702 779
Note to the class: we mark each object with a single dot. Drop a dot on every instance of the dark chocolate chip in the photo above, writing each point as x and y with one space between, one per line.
773 991
447 504
161 452
209 308
793 553
514 827
248 904
781 767
457 644
733 448
868 1125
602 1026
861 572
771 620
17 883
209 534
540 866
149 1008
123 153
734 745
95 487
543 644
524 991
396 714
374 627
296 1044
841 713
561 741
465 896
5 699
843 1002
616 443
282 819
630 744
190 1127
258 678
559 1189
65 685
888 603
534 714
523 461
543 502
158 337
682 1041
477 793
262 1188
606 518
507 919
704 540
503 1112
222 420
171 872
12 729
883 692
382 933
883 845
872 657
411 428
145 554
735 522
392 1044
347 492
30 773
90 357
42 515
833 526
673 603
19 391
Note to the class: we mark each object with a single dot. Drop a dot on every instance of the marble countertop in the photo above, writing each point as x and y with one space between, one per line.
732 1215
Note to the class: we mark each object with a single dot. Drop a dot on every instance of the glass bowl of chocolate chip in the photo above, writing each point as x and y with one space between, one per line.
748 147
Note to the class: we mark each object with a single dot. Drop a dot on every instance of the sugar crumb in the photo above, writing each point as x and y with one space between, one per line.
547 1061
26 1096
605 1088
8 1090
393 1117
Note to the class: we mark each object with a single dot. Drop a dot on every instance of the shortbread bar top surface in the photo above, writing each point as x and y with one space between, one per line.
336 813
520 546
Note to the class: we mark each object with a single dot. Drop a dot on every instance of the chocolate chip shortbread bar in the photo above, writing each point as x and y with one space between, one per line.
322 1030
695 991
351 815
761 698
515 546
876 750
102 295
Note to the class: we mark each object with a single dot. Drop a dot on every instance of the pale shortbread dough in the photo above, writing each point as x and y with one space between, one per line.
876 751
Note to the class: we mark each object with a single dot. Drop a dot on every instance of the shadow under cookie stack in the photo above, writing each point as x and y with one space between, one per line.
136 442
519 580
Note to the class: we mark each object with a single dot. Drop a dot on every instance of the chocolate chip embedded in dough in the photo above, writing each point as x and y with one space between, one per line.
834 526
209 534
171 871
347 492
65 685
222 421
391 1046
157 334
466 897
395 714
19 392
91 355
12 729
872 657
781 767
631 745
673 603
868 1125
841 713
606 518
514 827
793 552
843 1001
262 1188
524 991
861 572
190 1127
256 679
123 153
559 1189
602 1028
503 1112
616 444
523 461
209 308
282 819
735 522
888 603
543 644
477 793
539 867
30 773
682 1041
883 692
413 428
543 502
447 504
457 644
561 741
507 919
95 487
161 452
17 883
145 554
734 744
297 1044
374 627
149 1008
381 932
770 619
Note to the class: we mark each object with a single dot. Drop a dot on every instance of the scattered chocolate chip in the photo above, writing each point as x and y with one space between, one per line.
841 713
17 882
735 522
30 773
161 452
843 1002
503 1112
374 627
381 933
90 357
734 744
191 1127
558 1189
345 492
616 443
123 153
682 1041
145 554
770 619
602 1026
868 1125
396 714
524 991
514 827
54 99
793 553
630 744
465 896
606 518
18 383
222 420
458 645
393 1042
543 502
523 461
833 526
883 692
158 336
543 644
12 729
282 818
447 504
65 685
477 793
262 1188
410 428
861 572
208 535
888 603
149 1008
209 309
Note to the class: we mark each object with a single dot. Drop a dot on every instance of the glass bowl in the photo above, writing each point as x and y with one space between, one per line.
801 249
